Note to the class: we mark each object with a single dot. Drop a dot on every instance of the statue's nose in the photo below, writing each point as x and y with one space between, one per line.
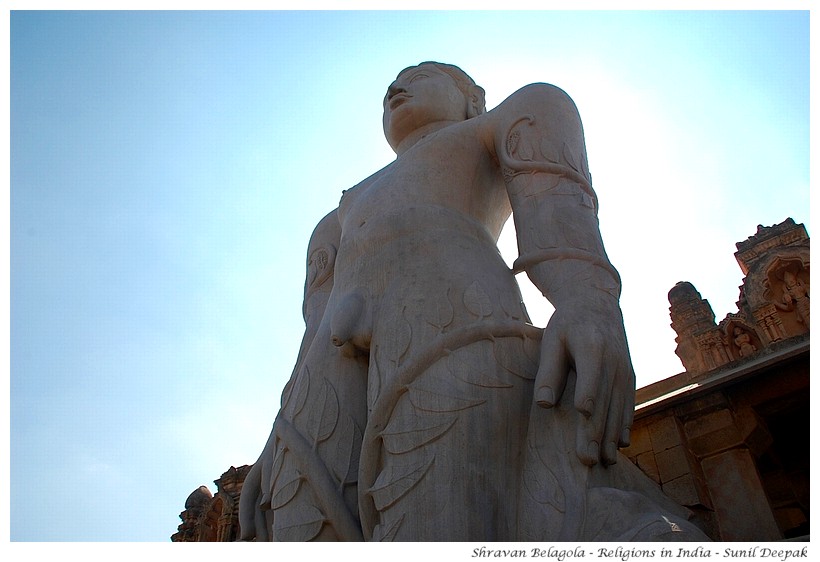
394 89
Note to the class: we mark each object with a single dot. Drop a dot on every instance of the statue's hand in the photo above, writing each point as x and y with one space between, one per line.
587 336
249 503
254 500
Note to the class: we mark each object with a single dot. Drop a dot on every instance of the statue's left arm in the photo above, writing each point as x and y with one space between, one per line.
539 144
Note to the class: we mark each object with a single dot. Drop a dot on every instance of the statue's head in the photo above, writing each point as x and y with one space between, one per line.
430 91
473 93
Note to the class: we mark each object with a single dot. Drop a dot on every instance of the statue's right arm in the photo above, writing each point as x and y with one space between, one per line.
539 144
254 500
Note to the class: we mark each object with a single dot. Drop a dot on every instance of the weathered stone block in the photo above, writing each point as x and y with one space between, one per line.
789 517
701 405
664 434
708 423
753 430
639 442
778 488
712 433
683 490
646 462
672 463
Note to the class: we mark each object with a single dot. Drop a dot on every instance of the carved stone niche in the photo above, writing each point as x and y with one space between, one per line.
741 337
769 323
787 288
713 349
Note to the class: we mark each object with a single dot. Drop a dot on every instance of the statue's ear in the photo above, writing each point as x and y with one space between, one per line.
475 102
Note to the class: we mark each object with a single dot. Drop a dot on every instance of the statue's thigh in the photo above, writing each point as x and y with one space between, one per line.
314 482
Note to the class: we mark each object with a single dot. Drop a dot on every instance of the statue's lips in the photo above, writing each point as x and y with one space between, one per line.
398 99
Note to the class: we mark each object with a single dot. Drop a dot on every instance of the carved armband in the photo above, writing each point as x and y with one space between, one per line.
523 263
526 151
552 197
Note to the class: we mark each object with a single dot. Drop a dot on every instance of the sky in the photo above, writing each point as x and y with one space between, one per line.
168 168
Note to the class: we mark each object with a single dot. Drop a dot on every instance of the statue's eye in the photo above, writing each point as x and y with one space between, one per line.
418 76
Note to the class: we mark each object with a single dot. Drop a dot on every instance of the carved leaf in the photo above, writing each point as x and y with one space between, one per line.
510 353
543 486
278 461
439 402
477 301
287 490
570 159
403 335
396 480
382 534
514 308
348 449
324 414
478 375
439 313
301 523
287 393
374 379
567 222
300 393
525 151
405 433
585 167
548 151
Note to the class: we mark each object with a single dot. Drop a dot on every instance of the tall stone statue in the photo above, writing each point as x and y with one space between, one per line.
424 405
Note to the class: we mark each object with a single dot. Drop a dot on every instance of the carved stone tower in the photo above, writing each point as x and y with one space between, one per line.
209 518
775 292
700 347
773 303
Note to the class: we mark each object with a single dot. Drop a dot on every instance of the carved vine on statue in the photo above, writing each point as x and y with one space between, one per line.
423 405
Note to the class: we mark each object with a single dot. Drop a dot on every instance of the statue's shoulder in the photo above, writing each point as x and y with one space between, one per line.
539 128
536 99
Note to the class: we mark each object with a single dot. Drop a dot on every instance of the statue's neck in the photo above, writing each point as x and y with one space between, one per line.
419 134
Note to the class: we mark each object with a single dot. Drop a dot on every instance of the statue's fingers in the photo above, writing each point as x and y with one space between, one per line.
267 464
628 409
592 401
590 369
553 368
248 504
590 434
613 429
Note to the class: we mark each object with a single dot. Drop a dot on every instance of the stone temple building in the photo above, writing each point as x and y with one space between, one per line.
213 518
728 438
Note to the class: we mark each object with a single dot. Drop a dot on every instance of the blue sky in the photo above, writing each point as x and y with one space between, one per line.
167 169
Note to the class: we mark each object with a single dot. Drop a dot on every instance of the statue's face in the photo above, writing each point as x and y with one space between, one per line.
419 96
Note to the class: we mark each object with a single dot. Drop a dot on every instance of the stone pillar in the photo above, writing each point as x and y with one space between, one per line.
731 475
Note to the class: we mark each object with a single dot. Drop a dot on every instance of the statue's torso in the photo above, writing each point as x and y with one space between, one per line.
423 228
451 169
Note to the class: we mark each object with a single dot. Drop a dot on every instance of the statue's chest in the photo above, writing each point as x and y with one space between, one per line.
438 172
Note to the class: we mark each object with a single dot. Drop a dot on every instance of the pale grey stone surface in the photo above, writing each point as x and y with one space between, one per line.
423 405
